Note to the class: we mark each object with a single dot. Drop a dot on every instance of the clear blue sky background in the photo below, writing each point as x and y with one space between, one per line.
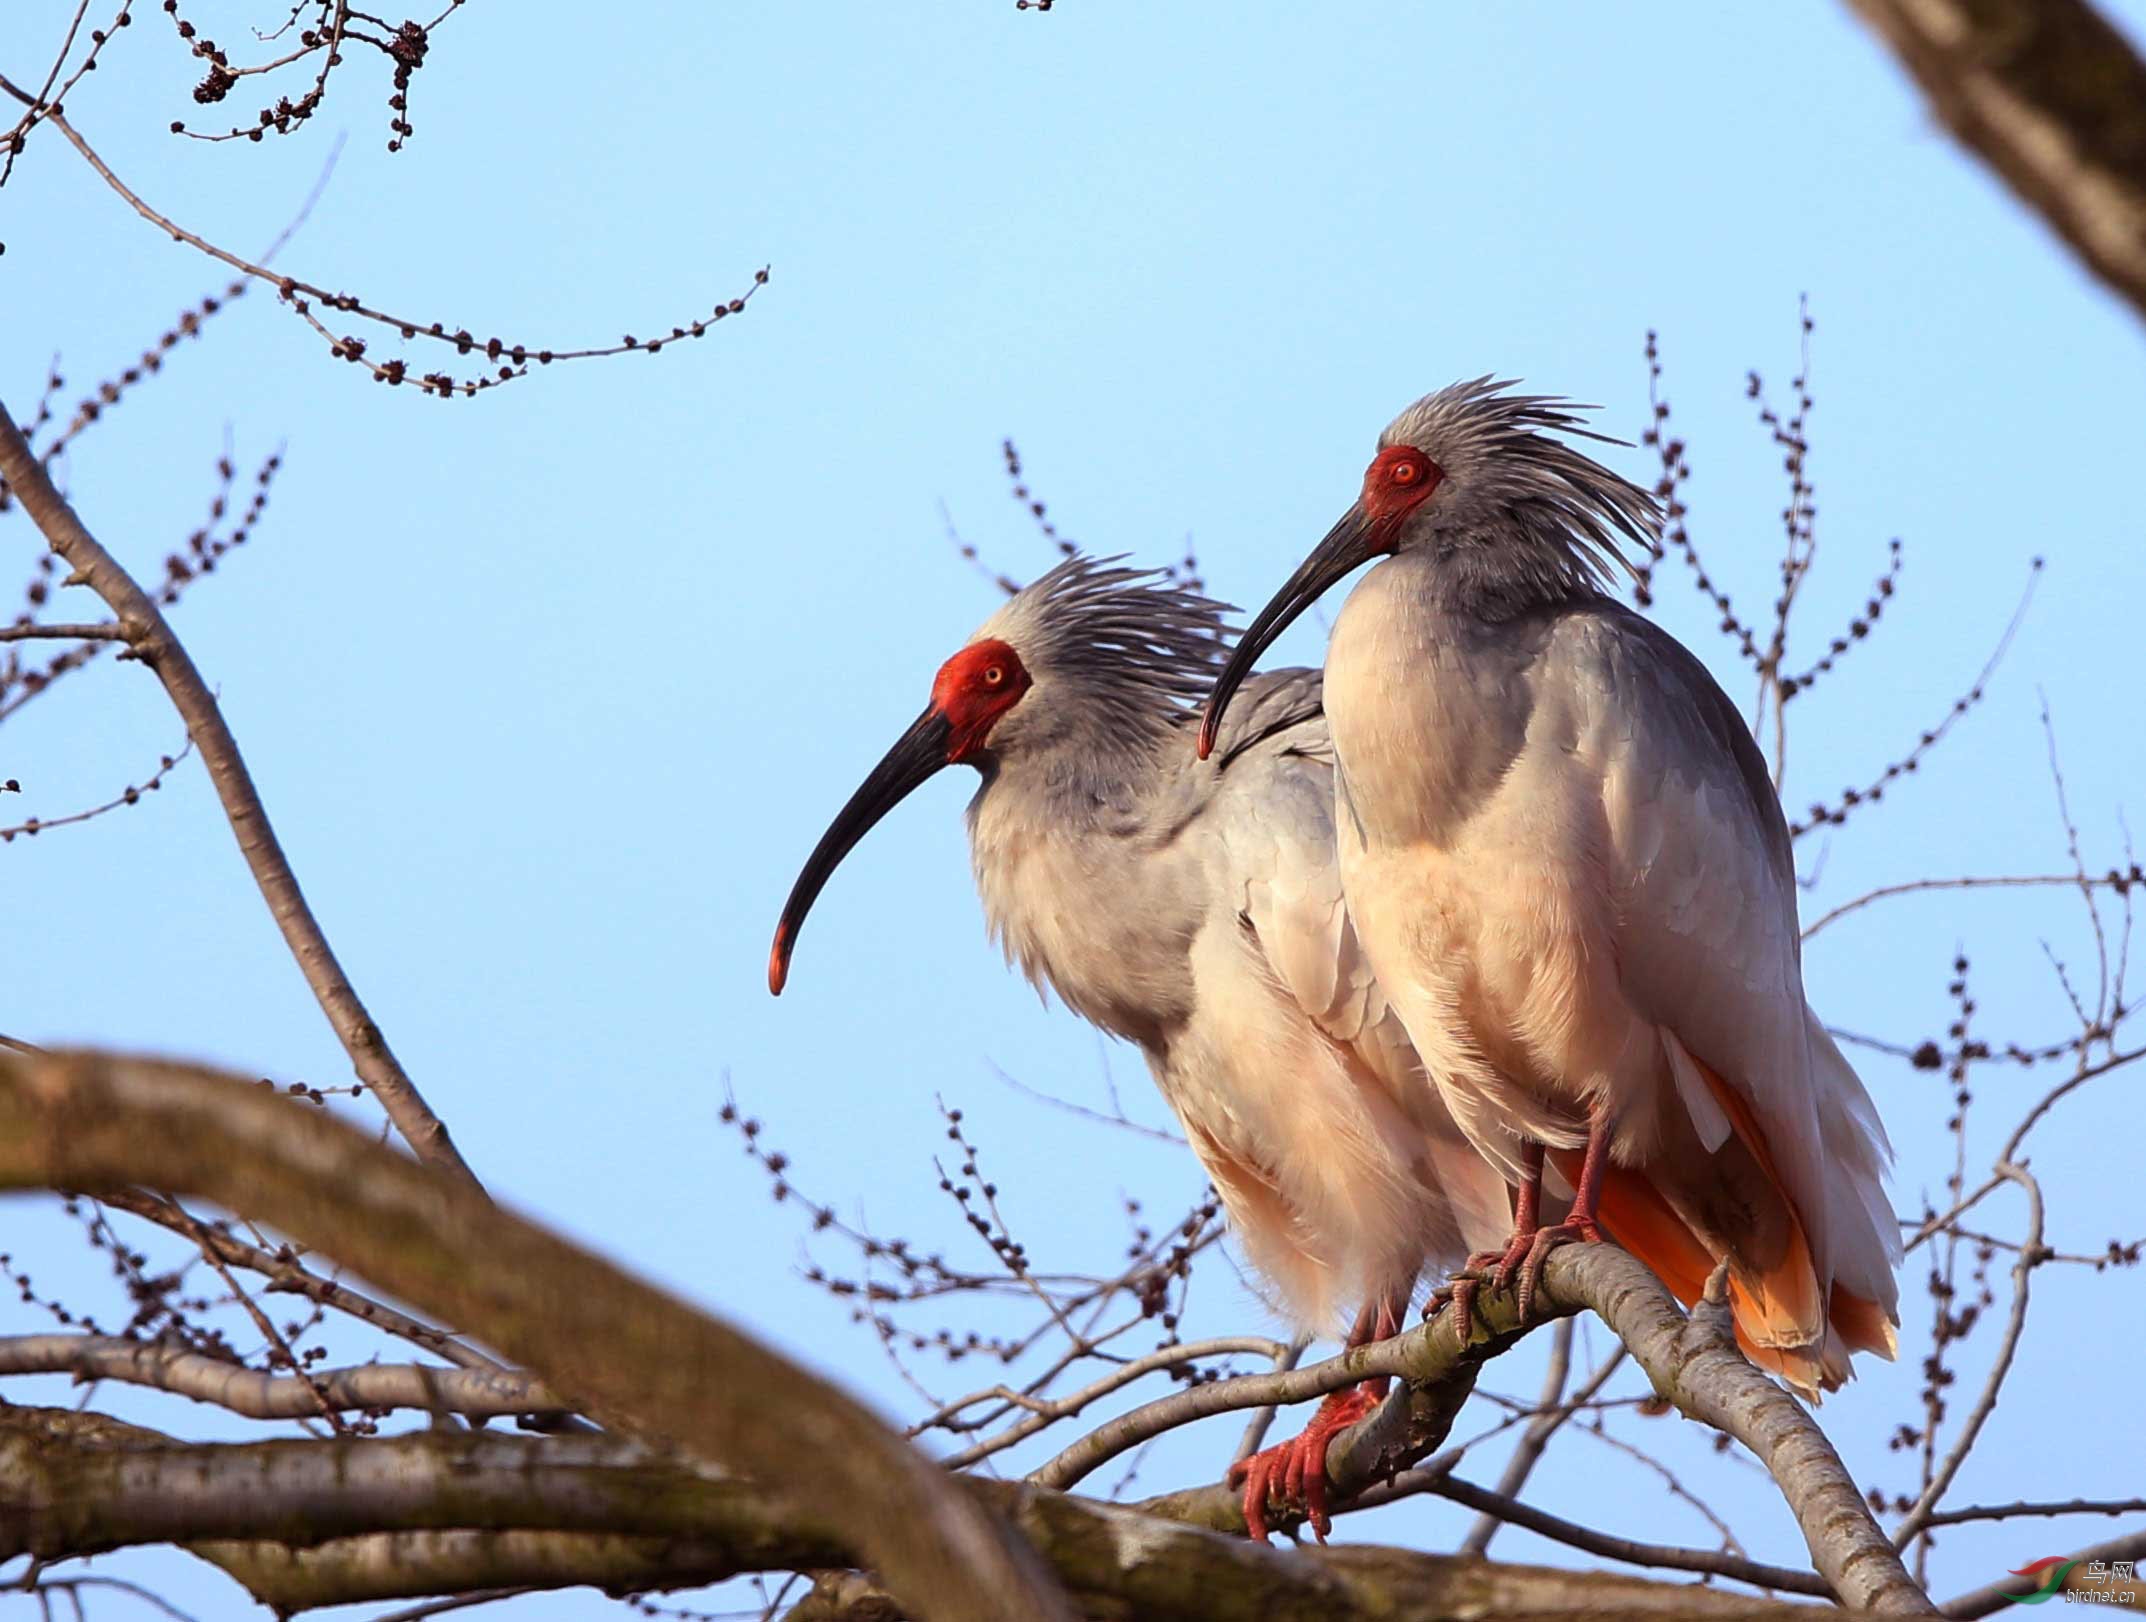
550 692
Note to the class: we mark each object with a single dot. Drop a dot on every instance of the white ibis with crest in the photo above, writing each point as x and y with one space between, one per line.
1563 855
1196 911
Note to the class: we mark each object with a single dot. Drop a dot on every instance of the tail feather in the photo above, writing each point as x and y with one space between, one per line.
1791 1319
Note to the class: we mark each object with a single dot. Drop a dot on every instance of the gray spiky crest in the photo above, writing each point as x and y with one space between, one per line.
1118 655
1521 516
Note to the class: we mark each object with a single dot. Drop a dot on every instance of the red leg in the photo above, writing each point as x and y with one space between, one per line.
1497 1266
1295 1471
1580 1222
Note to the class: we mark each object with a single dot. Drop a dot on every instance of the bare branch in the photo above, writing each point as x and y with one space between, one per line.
158 646
2118 881
615 1348
304 1524
2015 1326
510 360
2052 97
1821 814
281 1268
1552 1412
1043 1413
1255 1430
1502 1508
1123 1564
2008 1512
130 795
375 1387
104 631
1694 1364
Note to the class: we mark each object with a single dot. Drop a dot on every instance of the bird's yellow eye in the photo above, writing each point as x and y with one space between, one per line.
993 675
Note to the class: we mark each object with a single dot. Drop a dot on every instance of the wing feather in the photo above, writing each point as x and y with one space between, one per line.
1707 941
1276 809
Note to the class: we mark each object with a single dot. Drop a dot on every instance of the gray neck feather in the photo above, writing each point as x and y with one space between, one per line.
1067 816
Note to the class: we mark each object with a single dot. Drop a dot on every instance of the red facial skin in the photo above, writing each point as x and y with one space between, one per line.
1398 481
973 689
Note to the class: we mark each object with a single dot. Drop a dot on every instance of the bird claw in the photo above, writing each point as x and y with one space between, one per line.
1458 1292
1294 1472
1579 1230
1523 1255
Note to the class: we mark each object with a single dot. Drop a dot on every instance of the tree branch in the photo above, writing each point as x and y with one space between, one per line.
284 1273
154 642
1504 1509
615 1348
1538 1433
102 631
311 1523
477 1393
2052 97
2030 1253
1694 1364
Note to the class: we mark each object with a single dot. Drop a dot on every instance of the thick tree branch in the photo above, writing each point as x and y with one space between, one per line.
72 1495
310 1523
1121 1564
2050 95
614 1347
154 642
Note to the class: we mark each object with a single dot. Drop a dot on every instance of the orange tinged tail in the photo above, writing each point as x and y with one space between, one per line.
1788 1319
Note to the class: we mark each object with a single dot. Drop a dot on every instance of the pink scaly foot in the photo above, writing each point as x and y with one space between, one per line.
1295 1471
1579 1224
1578 1230
1458 1292
1487 1266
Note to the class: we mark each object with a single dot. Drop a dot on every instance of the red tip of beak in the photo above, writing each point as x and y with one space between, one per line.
778 964
1206 744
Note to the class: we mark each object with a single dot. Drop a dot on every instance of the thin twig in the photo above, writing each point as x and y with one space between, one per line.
1918 1517
1433 1479
1552 1412
2006 1512
511 360
279 1349
489 1393
1042 1414
158 646
1885 892
130 795
102 631
282 1270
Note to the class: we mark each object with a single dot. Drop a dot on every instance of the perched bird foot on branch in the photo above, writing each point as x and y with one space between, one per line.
1459 1293
1523 1257
1294 1472
1528 1265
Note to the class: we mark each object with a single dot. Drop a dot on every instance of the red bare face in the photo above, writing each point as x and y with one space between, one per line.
1399 480
973 689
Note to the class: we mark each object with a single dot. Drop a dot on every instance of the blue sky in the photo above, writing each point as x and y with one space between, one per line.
550 692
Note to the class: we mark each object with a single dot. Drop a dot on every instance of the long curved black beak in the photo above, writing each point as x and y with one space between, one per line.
916 756
1349 544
